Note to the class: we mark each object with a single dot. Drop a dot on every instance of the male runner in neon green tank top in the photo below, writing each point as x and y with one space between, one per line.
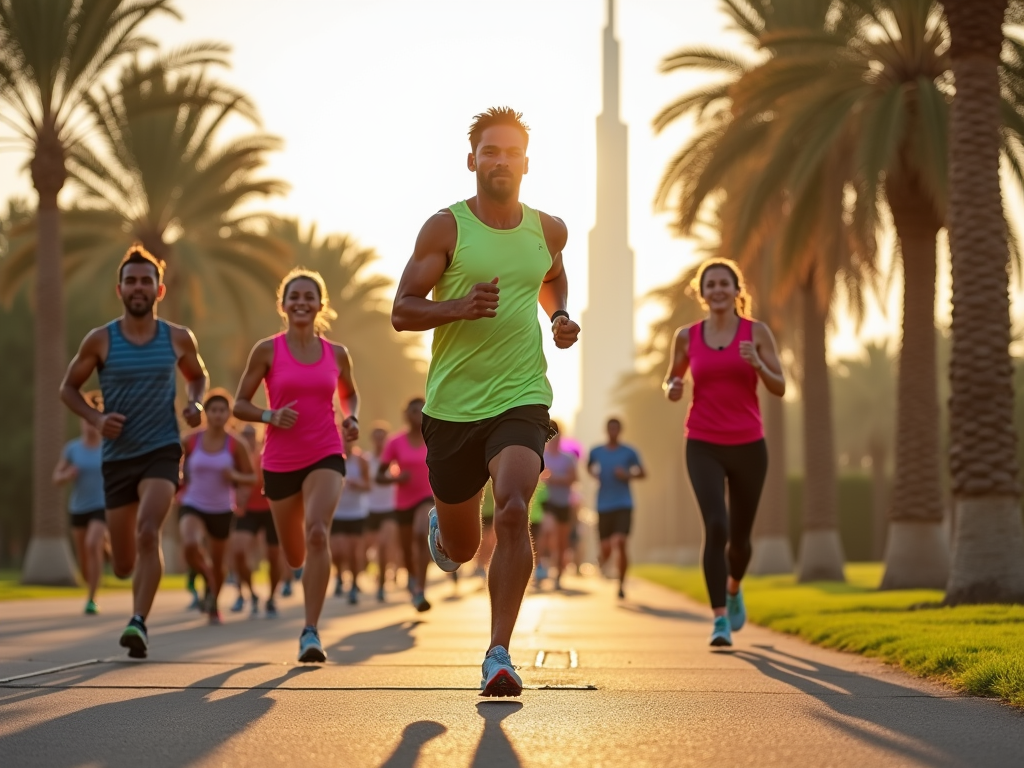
488 260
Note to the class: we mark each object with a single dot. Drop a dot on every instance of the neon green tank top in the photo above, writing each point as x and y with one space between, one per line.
480 368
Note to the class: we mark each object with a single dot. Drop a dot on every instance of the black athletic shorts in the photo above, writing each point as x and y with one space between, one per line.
281 485
121 477
254 521
614 521
458 453
347 527
557 511
82 519
376 519
218 524
406 516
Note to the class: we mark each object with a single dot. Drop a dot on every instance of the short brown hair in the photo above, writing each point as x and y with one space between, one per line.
139 255
496 116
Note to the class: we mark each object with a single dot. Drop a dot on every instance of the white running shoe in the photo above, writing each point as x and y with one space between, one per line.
499 676
437 554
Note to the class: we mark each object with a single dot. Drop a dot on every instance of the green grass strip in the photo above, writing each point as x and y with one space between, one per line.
978 649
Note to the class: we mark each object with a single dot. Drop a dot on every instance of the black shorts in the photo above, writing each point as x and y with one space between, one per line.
557 511
254 521
347 527
614 521
121 477
406 516
82 519
458 453
281 485
218 524
376 519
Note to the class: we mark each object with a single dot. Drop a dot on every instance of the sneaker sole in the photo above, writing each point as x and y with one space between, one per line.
137 647
423 607
313 656
721 642
502 684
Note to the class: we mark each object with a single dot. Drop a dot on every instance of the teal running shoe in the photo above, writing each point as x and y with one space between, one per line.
381 597
310 650
254 611
135 639
91 609
270 611
437 553
721 637
239 605
286 589
736 611
420 602
353 596
499 676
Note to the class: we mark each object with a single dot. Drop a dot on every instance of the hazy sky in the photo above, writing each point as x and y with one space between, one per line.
373 98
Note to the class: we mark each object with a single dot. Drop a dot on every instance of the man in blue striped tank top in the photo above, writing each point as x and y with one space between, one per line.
136 357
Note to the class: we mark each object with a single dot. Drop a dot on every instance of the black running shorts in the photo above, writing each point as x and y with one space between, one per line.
614 521
281 485
406 516
82 519
557 511
347 527
218 524
458 453
121 477
260 520
376 519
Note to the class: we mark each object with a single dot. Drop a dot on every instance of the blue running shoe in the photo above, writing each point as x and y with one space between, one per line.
239 605
271 609
298 573
499 676
135 638
721 637
286 589
255 610
381 598
736 611
310 650
437 553
196 603
420 602
353 596
338 591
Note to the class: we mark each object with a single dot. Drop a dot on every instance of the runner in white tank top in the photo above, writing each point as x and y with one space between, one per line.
349 520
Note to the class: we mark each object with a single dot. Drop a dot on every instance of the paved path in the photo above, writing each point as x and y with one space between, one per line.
628 683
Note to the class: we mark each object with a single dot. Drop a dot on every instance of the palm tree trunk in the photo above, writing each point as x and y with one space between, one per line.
821 551
48 557
772 551
917 555
988 545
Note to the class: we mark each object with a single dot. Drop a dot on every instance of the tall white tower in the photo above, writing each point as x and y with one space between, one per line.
607 323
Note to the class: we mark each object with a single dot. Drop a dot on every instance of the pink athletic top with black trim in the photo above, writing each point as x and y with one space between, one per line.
724 409
314 436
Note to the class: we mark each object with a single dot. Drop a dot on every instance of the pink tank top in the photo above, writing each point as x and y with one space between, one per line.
724 409
208 490
314 436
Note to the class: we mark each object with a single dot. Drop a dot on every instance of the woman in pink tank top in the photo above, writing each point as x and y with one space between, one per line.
303 461
726 353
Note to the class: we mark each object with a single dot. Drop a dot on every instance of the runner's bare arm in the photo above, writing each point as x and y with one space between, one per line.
762 354
364 472
412 310
242 472
348 394
191 366
258 365
678 365
554 291
64 472
91 353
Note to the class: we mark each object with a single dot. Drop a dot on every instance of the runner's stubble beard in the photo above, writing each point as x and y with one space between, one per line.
498 194
138 311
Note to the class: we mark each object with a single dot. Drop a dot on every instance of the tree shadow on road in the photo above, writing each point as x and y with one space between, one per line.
362 646
414 737
495 750
929 730
174 728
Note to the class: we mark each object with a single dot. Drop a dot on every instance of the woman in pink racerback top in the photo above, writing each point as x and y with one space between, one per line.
303 459
726 353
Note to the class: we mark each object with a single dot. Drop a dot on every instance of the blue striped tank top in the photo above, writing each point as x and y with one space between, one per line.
139 383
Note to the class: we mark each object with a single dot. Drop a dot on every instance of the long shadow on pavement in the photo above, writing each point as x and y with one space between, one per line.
176 728
414 737
934 730
362 646
494 749
662 613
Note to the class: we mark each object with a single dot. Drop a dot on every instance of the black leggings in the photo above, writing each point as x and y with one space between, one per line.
726 532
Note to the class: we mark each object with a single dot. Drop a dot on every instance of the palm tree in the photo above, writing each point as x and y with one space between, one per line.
988 549
163 179
52 52
388 365
811 246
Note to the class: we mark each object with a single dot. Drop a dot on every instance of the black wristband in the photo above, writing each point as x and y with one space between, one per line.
559 313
